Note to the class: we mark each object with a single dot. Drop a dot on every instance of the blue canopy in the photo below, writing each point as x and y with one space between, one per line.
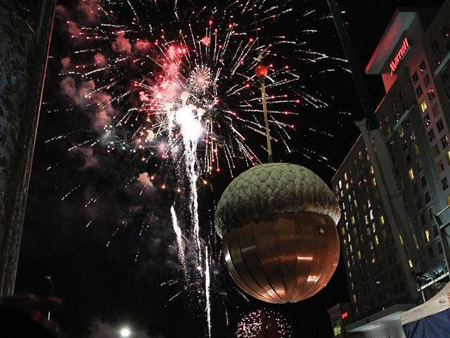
430 319
437 325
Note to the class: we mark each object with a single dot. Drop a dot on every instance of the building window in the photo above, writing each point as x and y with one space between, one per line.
427 120
427 197
423 106
381 220
440 167
440 125
410 264
415 188
430 252
423 66
408 159
401 239
427 236
440 248
431 135
419 165
436 150
445 31
374 181
435 46
411 173
444 142
415 77
419 91
423 222
394 107
423 180
444 182
435 231
431 95
419 204
448 199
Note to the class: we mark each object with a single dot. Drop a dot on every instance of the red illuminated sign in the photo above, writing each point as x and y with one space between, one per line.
344 315
400 55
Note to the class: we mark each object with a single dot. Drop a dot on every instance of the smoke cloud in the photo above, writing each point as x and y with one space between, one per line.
121 45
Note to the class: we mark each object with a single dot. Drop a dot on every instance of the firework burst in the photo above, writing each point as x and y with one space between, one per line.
172 83
262 323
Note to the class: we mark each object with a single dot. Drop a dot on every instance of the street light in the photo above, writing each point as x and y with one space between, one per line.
125 332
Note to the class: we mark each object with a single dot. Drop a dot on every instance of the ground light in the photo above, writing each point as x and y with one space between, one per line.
125 332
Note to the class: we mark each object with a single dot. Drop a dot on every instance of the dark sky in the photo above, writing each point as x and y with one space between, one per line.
103 287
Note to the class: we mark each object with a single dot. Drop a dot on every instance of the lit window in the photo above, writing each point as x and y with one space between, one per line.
411 173
353 298
352 220
374 181
343 231
359 254
410 264
371 214
345 176
401 239
448 199
427 235
423 106
415 241
382 220
340 184
377 242
448 157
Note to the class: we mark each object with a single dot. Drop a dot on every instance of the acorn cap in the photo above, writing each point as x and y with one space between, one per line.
272 189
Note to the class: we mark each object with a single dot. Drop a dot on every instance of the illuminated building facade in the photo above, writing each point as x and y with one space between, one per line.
389 198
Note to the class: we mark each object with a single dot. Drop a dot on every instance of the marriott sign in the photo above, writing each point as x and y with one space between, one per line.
400 55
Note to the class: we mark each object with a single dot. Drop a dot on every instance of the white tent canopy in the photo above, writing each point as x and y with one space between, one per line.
437 304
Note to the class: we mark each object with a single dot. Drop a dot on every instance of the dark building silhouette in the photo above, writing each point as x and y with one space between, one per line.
25 30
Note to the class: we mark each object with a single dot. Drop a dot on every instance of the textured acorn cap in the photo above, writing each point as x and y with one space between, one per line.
271 189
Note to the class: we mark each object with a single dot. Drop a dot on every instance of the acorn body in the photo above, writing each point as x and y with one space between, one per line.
278 224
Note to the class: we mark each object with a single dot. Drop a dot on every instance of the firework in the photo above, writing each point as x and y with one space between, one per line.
172 82
263 323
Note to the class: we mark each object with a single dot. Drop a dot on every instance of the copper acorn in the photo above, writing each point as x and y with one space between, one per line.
278 224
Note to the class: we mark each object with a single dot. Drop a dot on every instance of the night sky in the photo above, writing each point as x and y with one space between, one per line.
102 286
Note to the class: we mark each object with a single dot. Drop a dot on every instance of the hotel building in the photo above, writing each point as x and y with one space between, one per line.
396 179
